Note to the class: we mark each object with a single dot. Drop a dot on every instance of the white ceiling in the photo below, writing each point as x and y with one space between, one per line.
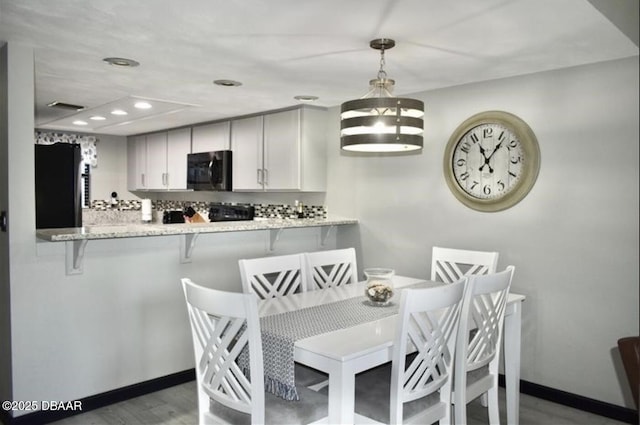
282 48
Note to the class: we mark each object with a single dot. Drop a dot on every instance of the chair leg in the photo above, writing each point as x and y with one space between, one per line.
494 410
460 413
448 417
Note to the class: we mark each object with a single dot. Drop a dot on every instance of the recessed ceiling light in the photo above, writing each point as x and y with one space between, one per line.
143 105
306 98
97 118
118 112
227 83
123 62
80 122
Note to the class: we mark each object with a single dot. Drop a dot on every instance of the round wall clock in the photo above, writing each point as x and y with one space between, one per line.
491 161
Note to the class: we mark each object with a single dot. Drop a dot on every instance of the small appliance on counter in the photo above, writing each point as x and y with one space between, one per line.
173 216
221 212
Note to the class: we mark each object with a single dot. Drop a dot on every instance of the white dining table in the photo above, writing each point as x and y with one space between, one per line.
346 352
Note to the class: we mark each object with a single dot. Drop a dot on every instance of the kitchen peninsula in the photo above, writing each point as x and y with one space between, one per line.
139 230
77 237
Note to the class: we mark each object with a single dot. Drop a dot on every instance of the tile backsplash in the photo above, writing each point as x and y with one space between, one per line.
128 211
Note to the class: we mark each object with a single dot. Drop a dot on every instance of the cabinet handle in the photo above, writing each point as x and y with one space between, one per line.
265 173
142 179
259 176
166 183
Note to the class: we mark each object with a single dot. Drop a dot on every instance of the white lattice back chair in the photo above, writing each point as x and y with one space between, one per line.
222 325
478 343
427 325
331 268
450 265
276 276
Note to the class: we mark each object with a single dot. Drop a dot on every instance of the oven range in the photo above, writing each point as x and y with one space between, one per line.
222 212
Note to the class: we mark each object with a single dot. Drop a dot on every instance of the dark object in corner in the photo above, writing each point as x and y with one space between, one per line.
630 352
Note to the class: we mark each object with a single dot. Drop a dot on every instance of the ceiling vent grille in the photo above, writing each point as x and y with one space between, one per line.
62 105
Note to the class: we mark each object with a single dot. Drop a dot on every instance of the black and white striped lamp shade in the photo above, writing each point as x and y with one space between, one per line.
382 124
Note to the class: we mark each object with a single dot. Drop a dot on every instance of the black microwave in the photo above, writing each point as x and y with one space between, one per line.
209 171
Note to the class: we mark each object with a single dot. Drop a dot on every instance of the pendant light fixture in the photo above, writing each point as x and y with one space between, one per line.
379 122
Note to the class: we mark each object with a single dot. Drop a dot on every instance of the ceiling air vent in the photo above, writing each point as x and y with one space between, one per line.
63 105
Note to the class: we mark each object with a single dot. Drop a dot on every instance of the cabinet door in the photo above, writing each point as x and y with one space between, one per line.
136 162
211 137
178 147
246 144
282 150
156 176
313 149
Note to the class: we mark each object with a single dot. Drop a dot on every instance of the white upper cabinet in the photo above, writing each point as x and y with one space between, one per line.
178 147
136 162
280 151
246 145
158 161
211 137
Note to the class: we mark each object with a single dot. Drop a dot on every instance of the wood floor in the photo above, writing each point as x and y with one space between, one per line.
177 405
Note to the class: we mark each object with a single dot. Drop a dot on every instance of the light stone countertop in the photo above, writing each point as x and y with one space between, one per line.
129 230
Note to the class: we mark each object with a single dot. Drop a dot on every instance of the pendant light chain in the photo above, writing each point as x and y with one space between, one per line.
382 74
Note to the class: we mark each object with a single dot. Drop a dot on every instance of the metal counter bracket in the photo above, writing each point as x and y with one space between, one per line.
187 243
325 231
74 253
274 235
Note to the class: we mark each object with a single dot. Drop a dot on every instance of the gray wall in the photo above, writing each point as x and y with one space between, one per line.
573 239
5 294
16 144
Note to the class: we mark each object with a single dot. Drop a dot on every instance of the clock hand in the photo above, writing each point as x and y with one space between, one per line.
482 151
495 150
486 160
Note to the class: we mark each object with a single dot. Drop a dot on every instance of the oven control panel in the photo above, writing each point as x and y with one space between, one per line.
222 212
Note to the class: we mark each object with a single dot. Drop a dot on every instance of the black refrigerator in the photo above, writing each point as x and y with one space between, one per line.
58 185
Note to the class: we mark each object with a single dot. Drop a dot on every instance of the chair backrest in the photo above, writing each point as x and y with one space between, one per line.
450 265
482 320
331 268
276 276
224 325
427 324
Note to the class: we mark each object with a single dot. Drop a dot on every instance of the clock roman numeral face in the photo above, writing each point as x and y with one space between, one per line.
488 161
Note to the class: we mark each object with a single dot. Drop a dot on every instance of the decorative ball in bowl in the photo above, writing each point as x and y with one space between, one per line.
379 288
